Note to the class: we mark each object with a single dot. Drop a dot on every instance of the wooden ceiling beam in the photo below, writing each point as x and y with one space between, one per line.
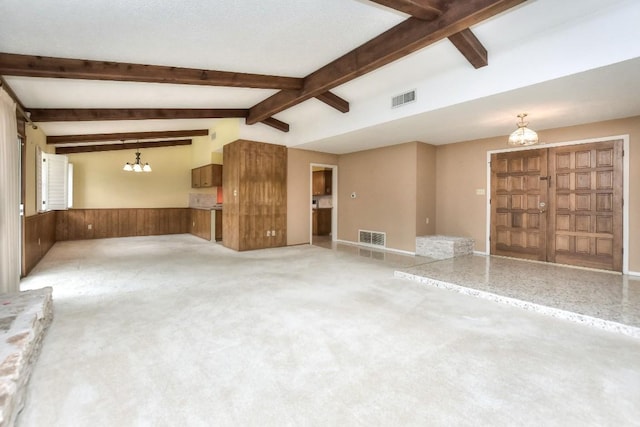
334 101
73 139
99 114
276 124
64 68
125 146
469 46
427 10
405 38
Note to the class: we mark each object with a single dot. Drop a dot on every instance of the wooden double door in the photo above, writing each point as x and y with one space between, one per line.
561 204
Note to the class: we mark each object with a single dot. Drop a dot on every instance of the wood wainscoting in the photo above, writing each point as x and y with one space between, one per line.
80 224
39 237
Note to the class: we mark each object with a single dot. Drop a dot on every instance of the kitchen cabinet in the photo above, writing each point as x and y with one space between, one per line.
322 221
218 226
322 183
206 176
255 195
201 223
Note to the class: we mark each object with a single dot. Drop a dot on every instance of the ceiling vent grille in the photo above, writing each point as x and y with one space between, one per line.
372 238
405 98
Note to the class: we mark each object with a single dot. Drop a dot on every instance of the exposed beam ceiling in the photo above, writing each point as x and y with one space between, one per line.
74 139
401 40
99 114
465 41
334 101
125 146
63 68
427 10
469 45
276 124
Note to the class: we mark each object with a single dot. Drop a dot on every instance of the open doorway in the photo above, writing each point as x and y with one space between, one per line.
323 212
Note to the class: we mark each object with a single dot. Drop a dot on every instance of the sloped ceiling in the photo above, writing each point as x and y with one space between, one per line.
564 63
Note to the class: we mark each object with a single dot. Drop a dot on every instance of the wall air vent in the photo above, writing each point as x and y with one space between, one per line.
405 98
372 238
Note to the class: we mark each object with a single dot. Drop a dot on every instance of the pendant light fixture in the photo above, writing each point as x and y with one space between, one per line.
523 135
137 165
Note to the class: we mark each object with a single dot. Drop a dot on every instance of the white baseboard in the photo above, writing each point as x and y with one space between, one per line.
399 251
634 273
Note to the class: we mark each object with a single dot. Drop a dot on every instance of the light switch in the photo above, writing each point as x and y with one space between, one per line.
480 192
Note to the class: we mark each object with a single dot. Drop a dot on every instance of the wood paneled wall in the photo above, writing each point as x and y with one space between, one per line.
255 205
39 236
79 224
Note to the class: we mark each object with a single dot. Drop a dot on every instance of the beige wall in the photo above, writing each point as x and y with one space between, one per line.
35 138
299 192
425 189
100 182
384 181
461 169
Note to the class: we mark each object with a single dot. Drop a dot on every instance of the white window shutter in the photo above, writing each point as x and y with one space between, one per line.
52 178
41 176
57 178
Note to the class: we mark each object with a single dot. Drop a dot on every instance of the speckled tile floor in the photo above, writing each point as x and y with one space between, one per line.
605 300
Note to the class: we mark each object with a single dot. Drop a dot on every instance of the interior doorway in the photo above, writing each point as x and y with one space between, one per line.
323 205
561 204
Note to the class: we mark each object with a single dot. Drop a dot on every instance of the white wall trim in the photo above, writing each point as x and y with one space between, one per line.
633 273
399 251
625 187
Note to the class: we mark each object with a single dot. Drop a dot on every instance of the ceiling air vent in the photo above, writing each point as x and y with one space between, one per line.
405 98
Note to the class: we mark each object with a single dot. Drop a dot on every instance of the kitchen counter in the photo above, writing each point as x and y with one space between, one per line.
207 208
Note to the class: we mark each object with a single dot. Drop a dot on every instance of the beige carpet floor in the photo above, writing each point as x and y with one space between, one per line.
177 331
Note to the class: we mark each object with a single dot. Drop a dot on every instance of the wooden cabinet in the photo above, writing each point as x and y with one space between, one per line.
314 222
322 221
206 176
201 223
218 226
255 195
322 183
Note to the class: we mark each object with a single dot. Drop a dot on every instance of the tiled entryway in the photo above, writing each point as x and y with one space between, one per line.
606 300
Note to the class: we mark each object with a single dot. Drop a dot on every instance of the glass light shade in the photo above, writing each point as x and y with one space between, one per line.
523 136
127 167
137 167
146 167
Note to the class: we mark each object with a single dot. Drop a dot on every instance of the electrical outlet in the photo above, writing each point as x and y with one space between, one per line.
90 226
38 241
268 233
273 233
426 220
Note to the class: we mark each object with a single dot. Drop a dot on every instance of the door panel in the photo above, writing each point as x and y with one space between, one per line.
585 225
519 189
561 205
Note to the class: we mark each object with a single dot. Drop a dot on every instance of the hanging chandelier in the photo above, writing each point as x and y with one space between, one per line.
523 135
137 165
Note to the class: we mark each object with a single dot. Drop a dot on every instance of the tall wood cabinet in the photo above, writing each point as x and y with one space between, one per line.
254 180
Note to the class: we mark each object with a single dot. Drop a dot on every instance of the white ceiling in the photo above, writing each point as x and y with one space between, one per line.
563 62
